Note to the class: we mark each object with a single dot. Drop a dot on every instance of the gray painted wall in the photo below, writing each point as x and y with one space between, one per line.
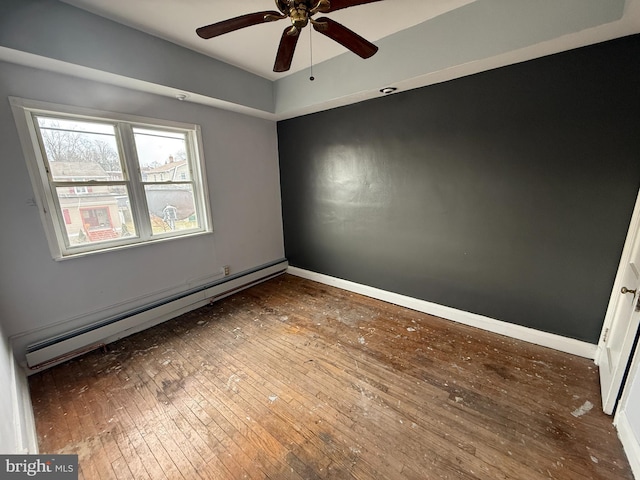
506 194
59 31
44 297
8 433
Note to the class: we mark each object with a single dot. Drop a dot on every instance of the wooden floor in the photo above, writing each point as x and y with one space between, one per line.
296 380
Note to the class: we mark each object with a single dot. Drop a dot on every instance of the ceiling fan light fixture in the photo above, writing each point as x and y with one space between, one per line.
299 12
388 90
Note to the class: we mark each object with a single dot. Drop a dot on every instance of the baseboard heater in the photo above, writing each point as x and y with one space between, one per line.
77 342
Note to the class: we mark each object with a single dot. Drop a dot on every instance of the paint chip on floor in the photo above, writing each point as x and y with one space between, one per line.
411 329
585 408
273 398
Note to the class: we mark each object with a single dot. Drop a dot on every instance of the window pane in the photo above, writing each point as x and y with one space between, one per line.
102 214
162 155
79 150
171 208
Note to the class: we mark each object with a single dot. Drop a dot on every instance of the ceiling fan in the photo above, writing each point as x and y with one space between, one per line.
300 13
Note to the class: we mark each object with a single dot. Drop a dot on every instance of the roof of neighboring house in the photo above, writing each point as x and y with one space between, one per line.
166 167
77 170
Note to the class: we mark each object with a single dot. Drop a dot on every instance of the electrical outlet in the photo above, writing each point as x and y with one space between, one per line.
226 270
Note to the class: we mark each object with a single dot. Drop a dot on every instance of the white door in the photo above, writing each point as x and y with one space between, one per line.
621 324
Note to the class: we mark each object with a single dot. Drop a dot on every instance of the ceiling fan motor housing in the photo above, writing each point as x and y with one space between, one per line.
299 15
301 11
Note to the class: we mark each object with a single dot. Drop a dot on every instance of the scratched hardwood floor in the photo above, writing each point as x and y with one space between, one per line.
296 380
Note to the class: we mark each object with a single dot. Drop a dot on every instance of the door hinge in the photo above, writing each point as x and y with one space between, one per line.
606 334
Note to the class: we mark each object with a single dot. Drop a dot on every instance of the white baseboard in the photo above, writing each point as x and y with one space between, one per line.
629 442
545 339
26 438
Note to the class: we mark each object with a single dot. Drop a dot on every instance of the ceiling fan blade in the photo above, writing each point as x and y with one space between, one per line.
340 4
226 26
286 49
345 37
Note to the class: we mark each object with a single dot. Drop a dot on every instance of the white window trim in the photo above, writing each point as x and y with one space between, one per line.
53 221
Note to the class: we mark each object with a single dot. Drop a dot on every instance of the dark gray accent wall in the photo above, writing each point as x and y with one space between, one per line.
507 193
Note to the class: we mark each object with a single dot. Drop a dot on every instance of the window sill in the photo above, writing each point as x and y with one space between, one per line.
117 248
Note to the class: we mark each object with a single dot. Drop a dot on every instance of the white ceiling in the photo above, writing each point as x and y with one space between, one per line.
254 48
421 42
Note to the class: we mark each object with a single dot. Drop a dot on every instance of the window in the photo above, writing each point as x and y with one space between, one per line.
107 181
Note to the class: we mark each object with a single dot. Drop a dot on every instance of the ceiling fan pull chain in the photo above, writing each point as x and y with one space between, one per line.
311 78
